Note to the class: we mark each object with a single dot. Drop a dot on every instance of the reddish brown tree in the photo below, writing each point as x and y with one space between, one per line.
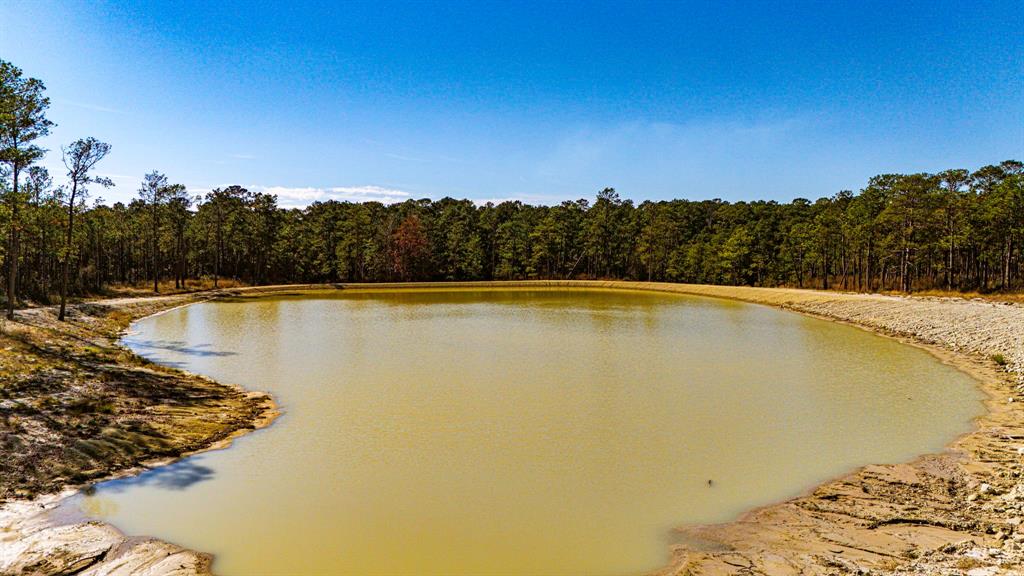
410 249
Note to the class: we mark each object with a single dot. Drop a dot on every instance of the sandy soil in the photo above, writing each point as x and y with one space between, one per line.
77 408
958 512
952 513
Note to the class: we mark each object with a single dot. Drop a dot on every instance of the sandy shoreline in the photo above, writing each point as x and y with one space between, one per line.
31 542
950 513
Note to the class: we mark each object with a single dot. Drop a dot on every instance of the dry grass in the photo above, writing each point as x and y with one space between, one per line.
1017 297
167 287
75 406
967 563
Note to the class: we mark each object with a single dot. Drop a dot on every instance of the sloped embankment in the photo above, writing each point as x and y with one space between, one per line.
74 408
959 512
952 513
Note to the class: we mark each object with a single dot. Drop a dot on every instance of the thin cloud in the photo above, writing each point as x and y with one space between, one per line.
115 176
532 200
298 197
93 107
243 156
675 156
451 159
404 158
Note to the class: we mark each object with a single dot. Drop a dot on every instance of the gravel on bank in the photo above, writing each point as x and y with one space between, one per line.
955 513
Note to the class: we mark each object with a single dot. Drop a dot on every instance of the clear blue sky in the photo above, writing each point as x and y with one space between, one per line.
537 101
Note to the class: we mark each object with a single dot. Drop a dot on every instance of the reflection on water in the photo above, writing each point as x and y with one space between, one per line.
146 347
176 476
518 431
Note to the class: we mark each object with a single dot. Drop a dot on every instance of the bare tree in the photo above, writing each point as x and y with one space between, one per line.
79 158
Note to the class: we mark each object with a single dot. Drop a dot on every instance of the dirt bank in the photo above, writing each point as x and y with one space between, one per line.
951 513
76 408
959 512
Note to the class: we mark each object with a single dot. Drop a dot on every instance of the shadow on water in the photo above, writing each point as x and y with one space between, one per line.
178 346
176 476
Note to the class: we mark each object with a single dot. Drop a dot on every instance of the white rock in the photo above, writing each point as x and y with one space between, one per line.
59 550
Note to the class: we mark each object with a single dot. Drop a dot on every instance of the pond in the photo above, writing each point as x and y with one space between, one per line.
518 431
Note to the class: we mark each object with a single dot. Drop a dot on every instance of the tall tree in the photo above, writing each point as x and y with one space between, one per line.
41 198
22 120
79 159
178 203
409 248
604 233
224 203
262 212
952 186
153 194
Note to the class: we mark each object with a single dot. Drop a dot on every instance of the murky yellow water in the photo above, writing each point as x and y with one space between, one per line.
518 431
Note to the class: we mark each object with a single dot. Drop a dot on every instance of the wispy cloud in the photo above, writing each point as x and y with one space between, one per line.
93 107
297 197
525 199
242 156
715 157
405 158
117 176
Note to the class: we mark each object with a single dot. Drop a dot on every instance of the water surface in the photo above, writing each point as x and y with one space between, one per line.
518 431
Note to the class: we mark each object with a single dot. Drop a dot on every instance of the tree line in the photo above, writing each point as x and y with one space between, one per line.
954 230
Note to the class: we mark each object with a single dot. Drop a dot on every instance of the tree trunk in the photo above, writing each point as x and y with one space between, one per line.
1007 251
216 257
67 253
156 258
12 249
